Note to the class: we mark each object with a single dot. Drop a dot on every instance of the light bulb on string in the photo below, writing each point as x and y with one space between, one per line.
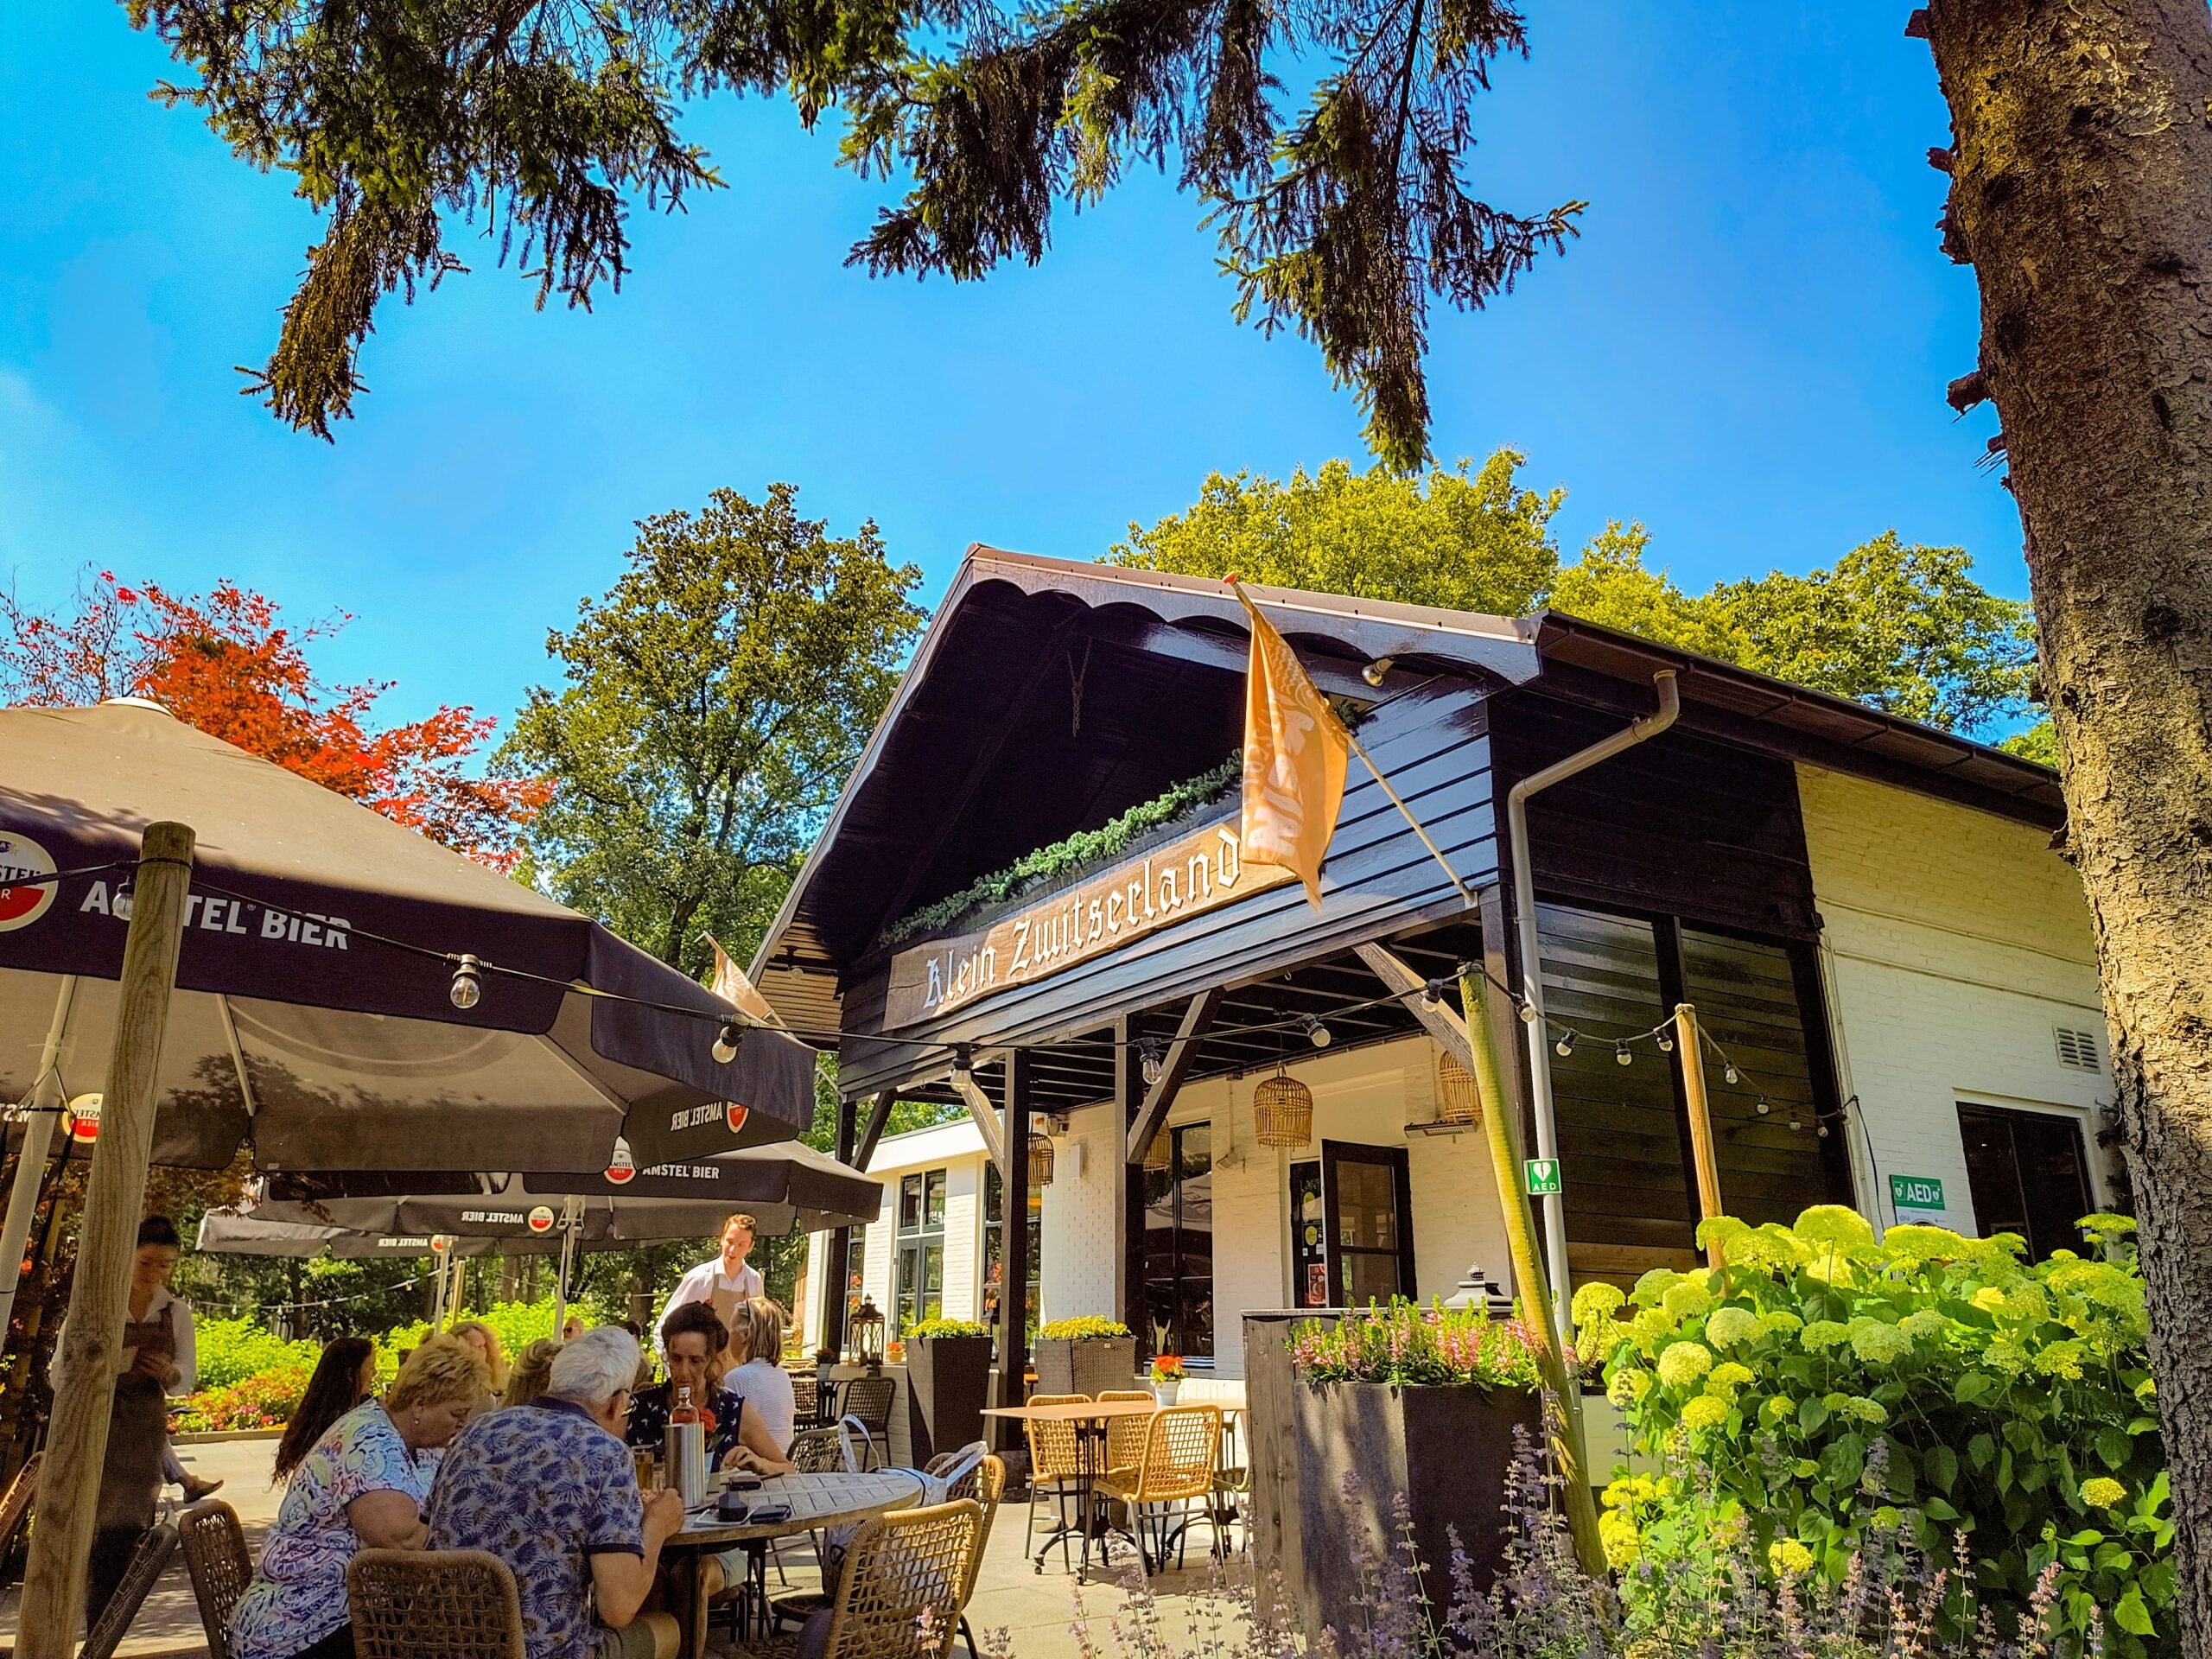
725 1048
1529 1014
1762 1108
1150 1050
1430 994
1732 1074
1621 1056
1822 1130
1565 1046
1795 1125
467 991
1666 1043
1316 1032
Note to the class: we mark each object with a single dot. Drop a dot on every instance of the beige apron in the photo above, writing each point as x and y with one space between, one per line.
726 1303
137 1433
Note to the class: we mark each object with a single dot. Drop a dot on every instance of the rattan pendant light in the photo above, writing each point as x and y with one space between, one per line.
1282 1111
1160 1156
1456 1100
1040 1159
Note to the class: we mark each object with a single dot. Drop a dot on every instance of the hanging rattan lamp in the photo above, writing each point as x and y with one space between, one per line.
1456 1100
1282 1111
1160 1156
1040 1159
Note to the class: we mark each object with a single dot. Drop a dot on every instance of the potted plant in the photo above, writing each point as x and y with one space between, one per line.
948 1385
1166 1377
1084 1356
1412 1403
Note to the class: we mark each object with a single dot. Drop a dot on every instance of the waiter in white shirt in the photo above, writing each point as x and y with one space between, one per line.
728 1282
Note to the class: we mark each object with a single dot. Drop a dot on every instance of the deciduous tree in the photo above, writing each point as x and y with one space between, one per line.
227 663
715 698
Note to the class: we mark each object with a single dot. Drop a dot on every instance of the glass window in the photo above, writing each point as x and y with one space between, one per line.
919 1285
2025 1171
994 1247
1178 1246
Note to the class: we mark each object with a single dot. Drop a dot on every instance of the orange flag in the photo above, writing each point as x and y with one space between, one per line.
1295 755
734 989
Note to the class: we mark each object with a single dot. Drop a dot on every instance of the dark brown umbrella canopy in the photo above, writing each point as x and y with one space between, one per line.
296 1027
232 1232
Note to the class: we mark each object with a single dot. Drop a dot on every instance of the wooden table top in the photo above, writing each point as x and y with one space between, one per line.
1080 1411
816 1501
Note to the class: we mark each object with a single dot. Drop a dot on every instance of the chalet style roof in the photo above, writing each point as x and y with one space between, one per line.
1050 695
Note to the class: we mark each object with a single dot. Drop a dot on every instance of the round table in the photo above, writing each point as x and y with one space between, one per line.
817 1503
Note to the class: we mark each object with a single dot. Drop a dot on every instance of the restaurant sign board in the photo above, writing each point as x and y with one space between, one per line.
1202 871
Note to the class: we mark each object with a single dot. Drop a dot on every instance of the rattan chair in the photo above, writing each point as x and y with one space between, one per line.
1180 1453
986 1485
817 1452
1125 1435
806 1399
899 1592
455 1604
216 1558
1055 1461
148 1561
868 1399
16 1502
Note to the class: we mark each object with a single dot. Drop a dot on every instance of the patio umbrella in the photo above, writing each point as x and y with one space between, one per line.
349 993
242 1232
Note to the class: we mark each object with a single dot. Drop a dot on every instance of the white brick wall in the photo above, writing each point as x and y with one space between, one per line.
1954 942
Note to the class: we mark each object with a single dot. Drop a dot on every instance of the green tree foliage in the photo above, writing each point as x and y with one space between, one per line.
1471 540
1904 628
716 700
1340 215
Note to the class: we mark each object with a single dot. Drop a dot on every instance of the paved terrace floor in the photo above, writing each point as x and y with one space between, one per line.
1036 1612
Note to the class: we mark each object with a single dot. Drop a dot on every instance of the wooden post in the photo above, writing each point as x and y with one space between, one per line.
1567 1441
1129 1186
107 1243
1013 1242
837 1249
1708 1167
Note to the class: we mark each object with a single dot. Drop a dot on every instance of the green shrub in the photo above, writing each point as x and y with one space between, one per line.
1405 1342
230 1351
1827 1389
947 1328
1078 1330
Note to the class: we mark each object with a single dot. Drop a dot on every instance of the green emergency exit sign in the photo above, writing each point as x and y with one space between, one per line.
1542 1177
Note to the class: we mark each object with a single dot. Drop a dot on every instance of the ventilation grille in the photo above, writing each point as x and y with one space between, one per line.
2077 1049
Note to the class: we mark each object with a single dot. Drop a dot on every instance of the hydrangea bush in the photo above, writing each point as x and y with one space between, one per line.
1823 1389
1405 1343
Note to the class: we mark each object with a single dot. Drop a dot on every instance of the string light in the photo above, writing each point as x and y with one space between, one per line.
1528 1014
1621 1056
1150 1049
1565 1046
1732 1074
1666 1043
1431 995
1762 1108
1316 1032
726 1042
467 991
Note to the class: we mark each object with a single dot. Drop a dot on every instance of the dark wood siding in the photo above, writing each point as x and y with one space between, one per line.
1378 880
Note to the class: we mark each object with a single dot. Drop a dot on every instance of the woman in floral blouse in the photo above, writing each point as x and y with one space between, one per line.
363 1485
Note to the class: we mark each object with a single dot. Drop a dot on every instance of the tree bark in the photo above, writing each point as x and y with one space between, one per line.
2082 195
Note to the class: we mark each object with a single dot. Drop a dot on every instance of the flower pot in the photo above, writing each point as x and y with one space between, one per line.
1165 1389
948 1385
1085 1364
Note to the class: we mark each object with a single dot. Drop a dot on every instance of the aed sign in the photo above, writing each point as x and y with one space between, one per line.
1542 1177
1917 1197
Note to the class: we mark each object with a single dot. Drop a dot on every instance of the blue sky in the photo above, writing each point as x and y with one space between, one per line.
1747 349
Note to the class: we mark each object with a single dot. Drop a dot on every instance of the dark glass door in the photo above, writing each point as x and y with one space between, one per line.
2028 1175
1367 1199
1309 1246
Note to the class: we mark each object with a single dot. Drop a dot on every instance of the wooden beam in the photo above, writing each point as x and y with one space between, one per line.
107 1243
987 1118
837 1251
1174 1066
879 1113
1013 1247
1439 1022
1129 1190
1706 1163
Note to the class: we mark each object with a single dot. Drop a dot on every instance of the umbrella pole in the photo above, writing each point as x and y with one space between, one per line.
99 1297
561 1285
46 1105
438 1307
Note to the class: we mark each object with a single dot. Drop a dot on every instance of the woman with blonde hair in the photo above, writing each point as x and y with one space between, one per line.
363 1485
485 1341
531 1371
756 1338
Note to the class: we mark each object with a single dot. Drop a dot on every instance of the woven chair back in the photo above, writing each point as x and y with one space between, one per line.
1125 1436
986 1485
1179 1453
215 1556
15 1503
905 1579
817 1451
1054 1451
806 1396
455 1604
868 1398
148 1561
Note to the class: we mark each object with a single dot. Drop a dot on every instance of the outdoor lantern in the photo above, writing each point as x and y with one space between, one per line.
1161 1154
1282 1111
1040 1159
867 1330
1455 1093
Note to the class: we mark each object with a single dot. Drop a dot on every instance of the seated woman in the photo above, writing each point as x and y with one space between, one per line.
736 1437
756 1337
484 1341
532 1372
362 1486
343 1376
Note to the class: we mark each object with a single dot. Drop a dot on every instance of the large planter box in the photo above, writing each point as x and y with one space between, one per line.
948 1385
1447 1449
1085 1364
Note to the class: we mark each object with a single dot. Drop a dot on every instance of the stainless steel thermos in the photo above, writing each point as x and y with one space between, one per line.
685 1459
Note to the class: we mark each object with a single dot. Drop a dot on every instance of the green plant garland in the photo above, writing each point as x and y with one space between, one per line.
1072 853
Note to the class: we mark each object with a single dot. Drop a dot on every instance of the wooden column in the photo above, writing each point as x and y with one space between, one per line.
1700 1112
837 1250
99 1297
1013 1295
1128 1184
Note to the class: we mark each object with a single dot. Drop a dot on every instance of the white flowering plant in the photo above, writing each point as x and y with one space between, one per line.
1821 1387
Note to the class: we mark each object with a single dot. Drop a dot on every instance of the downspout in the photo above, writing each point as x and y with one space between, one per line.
1532 974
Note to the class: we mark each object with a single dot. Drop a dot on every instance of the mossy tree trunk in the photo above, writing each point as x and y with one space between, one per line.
2082 195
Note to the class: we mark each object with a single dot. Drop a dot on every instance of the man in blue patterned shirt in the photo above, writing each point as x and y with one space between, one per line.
550 1490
